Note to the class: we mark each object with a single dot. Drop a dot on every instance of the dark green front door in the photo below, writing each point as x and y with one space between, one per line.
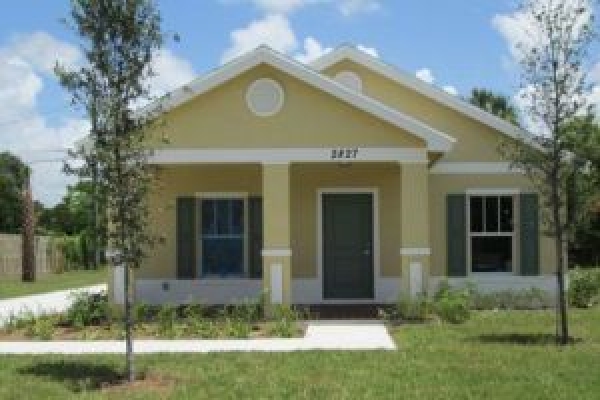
347 245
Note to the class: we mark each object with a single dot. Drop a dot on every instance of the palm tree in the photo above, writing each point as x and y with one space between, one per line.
496 104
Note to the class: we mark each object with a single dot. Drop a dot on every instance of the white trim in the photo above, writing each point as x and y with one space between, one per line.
412 82
349 79
415 251
254 97
493 191
376 242
436 140
276 271
285 155
479 168
276 252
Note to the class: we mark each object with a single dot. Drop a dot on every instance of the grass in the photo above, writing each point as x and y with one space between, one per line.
13 287
496 355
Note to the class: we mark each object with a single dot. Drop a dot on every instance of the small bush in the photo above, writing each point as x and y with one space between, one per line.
452 305
42 328
584 287
88 309
411 309
285 321
166 319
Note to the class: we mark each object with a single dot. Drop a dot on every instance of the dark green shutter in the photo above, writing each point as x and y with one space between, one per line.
529 234
186 238
255 236
456 228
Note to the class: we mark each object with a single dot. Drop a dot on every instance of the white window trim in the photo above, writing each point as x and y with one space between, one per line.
493 192
220 196
376 242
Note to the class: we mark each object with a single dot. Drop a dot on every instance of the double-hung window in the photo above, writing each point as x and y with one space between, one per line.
222 239
491 239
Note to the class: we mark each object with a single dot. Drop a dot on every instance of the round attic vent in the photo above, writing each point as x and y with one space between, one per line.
349 79
265 97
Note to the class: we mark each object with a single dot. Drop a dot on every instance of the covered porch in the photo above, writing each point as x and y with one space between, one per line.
322 226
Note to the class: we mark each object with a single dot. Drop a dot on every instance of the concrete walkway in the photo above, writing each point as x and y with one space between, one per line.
329 335
45 303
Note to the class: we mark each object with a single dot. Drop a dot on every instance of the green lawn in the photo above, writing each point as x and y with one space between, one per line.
502 355
13 287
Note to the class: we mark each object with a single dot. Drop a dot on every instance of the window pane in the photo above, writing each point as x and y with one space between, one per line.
223 216
491 214
506 214
208 217
491 254
223 256
476 214
237 217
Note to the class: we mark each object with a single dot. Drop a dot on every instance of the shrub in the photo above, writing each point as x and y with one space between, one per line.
584 287
452 304
285 321
88 309
42 328
167 318
411 309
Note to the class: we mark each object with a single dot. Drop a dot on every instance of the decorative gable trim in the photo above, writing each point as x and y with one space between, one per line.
435 139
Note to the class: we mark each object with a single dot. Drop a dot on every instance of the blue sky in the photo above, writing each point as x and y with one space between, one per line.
458 45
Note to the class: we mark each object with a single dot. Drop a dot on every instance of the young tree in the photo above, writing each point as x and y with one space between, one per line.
493 103
119 38
553 55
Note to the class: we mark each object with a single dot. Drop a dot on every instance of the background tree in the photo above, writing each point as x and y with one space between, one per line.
119 38
13 176
496 104
583 137
553 56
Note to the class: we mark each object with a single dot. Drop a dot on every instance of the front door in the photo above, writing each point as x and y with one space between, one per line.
347 245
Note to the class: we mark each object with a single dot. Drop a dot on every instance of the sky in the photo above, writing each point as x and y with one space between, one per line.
456 45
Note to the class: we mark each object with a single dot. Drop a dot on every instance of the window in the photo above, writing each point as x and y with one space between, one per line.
491 233
222 238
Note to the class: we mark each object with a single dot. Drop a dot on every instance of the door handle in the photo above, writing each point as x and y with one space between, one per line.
367 252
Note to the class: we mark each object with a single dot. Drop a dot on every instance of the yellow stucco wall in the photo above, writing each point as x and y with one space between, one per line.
307 179
310 117
187 181
441 185
475 141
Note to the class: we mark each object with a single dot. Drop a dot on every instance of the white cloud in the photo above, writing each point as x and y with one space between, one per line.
426 75
450 90
372 51
26 63
273 30
170 72
350 7
312 50
345 7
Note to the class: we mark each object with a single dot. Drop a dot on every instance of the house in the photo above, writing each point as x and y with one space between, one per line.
343 181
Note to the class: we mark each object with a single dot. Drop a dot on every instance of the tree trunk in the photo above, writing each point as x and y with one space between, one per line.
563 328
28 234
128 325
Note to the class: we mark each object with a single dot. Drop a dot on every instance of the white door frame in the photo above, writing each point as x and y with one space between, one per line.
376 244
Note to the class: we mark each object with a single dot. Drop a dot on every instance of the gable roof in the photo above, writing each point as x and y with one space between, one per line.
349 52
435 139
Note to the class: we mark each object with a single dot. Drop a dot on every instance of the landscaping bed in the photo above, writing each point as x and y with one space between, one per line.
92 317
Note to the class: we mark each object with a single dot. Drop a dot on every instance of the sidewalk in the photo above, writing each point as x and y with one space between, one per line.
330 335
44 303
